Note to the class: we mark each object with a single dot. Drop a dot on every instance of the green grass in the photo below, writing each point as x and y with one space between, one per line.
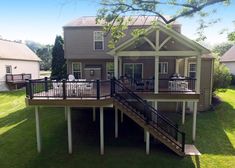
215 139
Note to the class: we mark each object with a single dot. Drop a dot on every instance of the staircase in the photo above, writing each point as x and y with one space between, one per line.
159 126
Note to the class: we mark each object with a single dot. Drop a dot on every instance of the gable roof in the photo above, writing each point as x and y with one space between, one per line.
90 21
16 51
165 29
229 56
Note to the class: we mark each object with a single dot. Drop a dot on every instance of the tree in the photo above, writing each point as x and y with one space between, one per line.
113 12
59 69
220 49
222 77
45 53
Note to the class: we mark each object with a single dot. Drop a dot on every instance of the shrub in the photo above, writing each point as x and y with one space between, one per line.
222 76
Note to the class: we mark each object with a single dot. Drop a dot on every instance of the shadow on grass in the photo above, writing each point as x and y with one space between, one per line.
19 143
211 137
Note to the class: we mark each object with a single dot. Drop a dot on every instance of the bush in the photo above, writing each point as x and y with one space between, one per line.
222 76
233 79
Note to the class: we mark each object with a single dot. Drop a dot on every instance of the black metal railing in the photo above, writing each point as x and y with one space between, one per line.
149 114
48 88
17 77
185 84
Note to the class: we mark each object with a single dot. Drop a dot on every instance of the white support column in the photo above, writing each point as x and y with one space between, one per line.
183 113
122 117
65 113
101 130
116 122
186 67
194 120
145 135
120 66
93 114
147 142
116 66
198 74
156 75
177 67
69 130
38 133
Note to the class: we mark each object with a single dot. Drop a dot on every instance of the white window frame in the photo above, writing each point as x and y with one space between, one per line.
142 73
189 71
107 70
161 69
94 40
79 70
10 69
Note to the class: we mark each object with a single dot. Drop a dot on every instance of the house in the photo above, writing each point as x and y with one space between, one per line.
228 59
160 72
17 63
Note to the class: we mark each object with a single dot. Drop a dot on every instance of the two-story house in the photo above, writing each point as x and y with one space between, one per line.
160 72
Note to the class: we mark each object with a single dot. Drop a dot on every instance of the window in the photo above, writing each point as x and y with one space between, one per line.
163 67
77 70
109 70
192 70
8 69
98 40
133 70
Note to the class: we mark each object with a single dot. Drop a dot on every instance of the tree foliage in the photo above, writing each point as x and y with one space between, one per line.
59 69
222 77
45 53
222 48
114 12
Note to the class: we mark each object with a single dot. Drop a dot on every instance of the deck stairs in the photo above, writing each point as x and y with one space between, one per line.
137 109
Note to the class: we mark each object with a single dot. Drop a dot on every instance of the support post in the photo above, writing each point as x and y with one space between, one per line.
177 66
144 135
156 75
147 142
38 133
101 131
116 66
183 113
93 114
65 113
194 120
121 117
186 67
116 122
198 74
69 130
120 66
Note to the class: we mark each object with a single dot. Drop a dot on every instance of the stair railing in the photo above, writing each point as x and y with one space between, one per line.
150 115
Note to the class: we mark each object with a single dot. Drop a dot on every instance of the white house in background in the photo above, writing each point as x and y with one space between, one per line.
17 63
228 59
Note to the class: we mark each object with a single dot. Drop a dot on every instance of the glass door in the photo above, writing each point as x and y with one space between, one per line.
133 70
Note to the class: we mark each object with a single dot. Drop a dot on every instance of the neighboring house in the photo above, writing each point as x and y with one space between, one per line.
17 63
228 59
161 72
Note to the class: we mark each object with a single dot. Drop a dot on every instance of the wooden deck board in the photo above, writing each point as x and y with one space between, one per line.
191 150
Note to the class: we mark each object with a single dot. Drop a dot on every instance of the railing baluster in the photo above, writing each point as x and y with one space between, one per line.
98 89
183 141
30 89
64 89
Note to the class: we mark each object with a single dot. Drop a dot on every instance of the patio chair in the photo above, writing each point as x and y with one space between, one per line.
71 77
57 87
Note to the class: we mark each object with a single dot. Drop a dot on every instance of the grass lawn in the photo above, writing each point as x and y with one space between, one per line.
215 139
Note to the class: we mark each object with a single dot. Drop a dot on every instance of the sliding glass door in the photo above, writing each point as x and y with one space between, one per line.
134 70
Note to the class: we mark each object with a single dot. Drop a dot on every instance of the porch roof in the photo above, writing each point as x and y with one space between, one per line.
193 48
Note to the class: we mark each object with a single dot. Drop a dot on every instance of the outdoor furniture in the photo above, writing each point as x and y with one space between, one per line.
58 88
178 85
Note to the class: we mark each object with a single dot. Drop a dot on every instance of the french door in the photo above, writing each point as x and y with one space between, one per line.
133 70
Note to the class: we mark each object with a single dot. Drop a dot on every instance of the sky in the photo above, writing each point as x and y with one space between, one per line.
42 20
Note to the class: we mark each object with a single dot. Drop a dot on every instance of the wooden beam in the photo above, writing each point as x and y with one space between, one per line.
156 75
147 142
164 42
38 133
150 43
101 130
194 121
116 122
183 112
157 40
158 53
69 130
